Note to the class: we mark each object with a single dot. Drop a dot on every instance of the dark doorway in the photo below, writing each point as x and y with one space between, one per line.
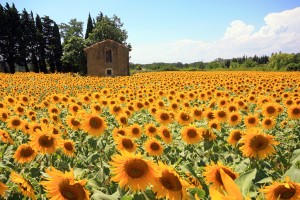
108 72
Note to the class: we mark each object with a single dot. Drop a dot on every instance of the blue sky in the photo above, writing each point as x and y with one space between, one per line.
188 30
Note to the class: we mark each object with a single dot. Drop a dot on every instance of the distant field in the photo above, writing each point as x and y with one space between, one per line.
168 135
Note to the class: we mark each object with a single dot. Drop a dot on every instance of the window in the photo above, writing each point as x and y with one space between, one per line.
108 72
108 55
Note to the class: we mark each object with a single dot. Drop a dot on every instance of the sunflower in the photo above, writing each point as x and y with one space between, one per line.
207 134
68 147
294 111
220 115
133 171
116 110
73 122
269 110
153 147
96 108
169 184
4 115
94 125
234 118
5 137
74 108
150 130
163 117
209 114
60 186
257 144
44 141
268 123
251 121
135 131
214 124
184 118
23 185
282 190
165 134
229 191
24 153
191 134
213 176
15 123
234 137
197 113
125 144
122 119
3 188
119 132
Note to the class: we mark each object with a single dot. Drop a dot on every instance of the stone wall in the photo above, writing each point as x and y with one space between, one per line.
97 64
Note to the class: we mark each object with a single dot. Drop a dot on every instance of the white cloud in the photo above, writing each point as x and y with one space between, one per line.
281 32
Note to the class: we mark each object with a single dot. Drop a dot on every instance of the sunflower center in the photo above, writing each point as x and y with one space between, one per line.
234 118
170 181
46 141
68 146
296 111
259 142
74 122
221 114
184 117
251 120
154 146
139 105
16 122
284 193
117 109
151 129
197 113
20 109
268 122
72 192
26 152
121 132
75 108
191 133
127 143
210 115
164 116
228 172
135 131
271 110
95 122
237 136
174 106
136 168
214 125
232 108
166 133
97 108
55 131
4 115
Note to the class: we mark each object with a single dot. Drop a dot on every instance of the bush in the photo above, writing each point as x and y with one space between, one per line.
293 67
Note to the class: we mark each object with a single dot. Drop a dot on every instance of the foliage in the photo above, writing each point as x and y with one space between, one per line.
280 60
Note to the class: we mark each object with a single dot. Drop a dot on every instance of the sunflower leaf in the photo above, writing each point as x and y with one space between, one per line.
244 181
98 195
293 173
295 156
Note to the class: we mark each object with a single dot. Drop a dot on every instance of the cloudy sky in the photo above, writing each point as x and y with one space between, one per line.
189 30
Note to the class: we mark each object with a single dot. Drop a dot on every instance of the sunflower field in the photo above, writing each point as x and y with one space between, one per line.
156 135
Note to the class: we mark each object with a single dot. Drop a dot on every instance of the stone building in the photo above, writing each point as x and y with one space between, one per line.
107 58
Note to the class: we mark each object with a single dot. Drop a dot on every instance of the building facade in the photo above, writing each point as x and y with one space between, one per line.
107 58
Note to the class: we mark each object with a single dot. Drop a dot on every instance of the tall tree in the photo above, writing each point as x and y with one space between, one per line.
73 28
11 41
32 31
3 37
41 45
89 27
24 40
57 48
108 28
49 40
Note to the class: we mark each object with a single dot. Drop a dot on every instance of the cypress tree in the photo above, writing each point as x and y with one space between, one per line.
50 41
3 36
89 27
41 45
33 43
24 40
57 48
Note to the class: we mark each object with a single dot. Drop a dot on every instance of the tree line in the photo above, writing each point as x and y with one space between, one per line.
277 61
39 44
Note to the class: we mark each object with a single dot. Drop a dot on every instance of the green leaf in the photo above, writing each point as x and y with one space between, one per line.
293 173
98 195
190 169
244 181
265 180
295 156
127 197
200 193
